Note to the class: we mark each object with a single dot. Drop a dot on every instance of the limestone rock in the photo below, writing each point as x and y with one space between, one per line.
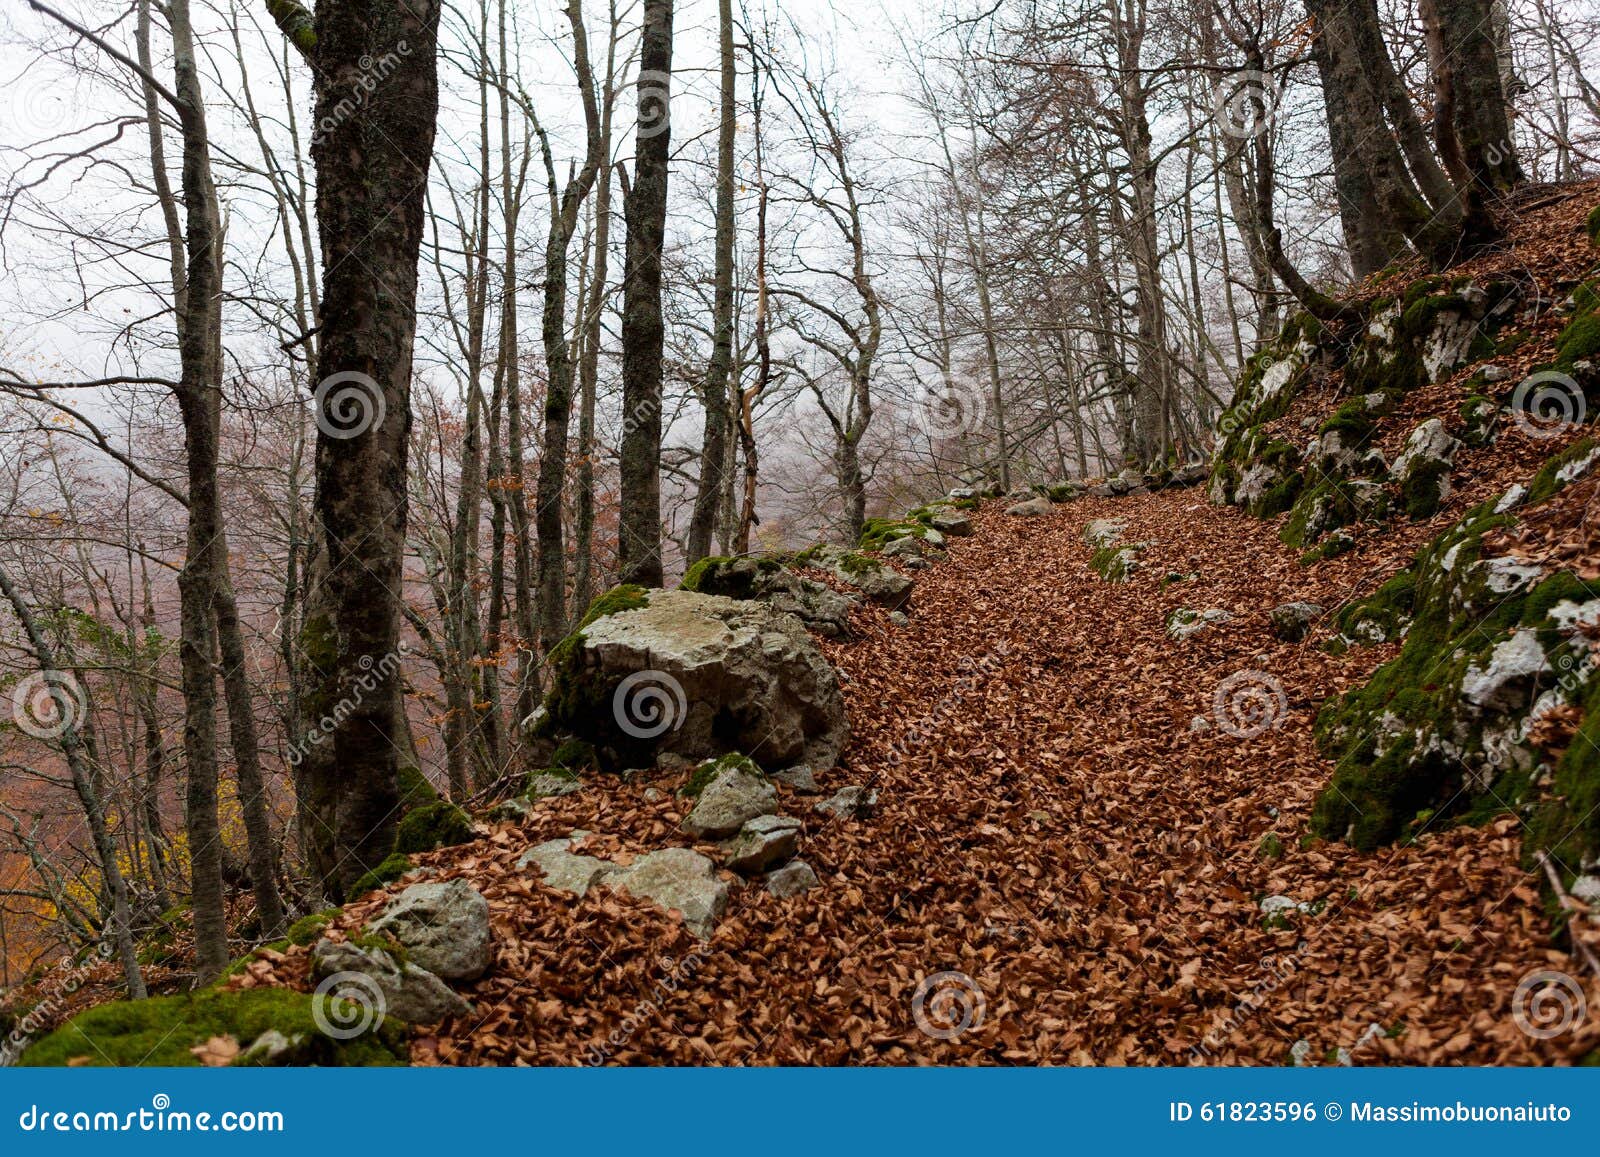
444 928
761 843
406 991
1031 508
852 802
1292 621
564 869
698 676
681 879
954 523
790 880
735 795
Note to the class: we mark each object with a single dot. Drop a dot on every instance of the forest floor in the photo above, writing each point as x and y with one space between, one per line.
1050 826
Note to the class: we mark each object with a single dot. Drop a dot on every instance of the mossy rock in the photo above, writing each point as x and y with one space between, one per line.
718 576
415 790
438 825
392 868
574 755
308 929
702 775
570 699
1412 750
161 1031
877 533
1591 225
1116 564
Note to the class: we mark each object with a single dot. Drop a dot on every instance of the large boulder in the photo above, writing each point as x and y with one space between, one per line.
681 879
696 676
444 928
954 523
1031 508
1423 468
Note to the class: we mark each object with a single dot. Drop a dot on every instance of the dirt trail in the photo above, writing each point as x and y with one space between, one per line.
1052 828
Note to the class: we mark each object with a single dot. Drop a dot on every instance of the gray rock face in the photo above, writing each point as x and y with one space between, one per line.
1291 621
761 843
790 880
800 777
698 676
735 796
1032 508
1507 682
564 869
1100 533
681 879
408 992
443 927
876 580
907 547
1191 475
766 580
953 523
547 785
1429 444
852 802
1186 624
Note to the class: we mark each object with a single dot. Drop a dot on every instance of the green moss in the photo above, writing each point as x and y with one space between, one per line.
702 776
387 872
415 790
576 699
1327 506
1270 847
877 533
308 929
1116 563
1332 546
239 965
162 1030
574 755
1548 480
734 578
437 825
1591 225
1423 491
1352 421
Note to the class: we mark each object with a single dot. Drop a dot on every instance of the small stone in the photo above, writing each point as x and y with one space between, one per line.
899 618
678 879
761 843
1587 889
954 523
651 794
800 777
1291 622
1279 905
564 870
550 784
1493 373
790 880
1199 724
852 802
736 795
1032 508
1185 624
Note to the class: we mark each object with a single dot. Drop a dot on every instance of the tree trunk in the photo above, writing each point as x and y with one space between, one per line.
719 372
642 328
371 189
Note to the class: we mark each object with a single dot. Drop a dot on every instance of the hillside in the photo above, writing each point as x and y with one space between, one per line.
1297 767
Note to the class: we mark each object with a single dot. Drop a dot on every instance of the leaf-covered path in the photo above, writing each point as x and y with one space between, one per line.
1052 826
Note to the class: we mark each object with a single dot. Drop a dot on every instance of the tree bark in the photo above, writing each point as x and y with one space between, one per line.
642 329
